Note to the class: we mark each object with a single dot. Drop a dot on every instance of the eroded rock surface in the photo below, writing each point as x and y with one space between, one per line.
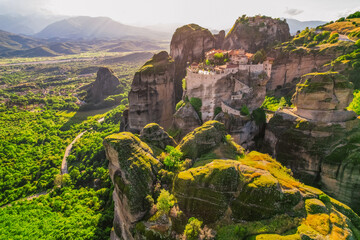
225 188
255 33
133 171
189 44
317 138
152 98
106 84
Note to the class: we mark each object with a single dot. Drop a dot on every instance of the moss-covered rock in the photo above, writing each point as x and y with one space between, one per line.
133 170
256 188
156 137
204 139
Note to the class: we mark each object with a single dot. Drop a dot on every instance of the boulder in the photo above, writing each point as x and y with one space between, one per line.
154 135
185 120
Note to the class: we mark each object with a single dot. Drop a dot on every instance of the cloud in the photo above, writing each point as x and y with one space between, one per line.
347 12
23 7
293 11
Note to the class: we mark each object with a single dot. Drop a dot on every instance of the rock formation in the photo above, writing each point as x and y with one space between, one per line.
316 139
133 171
185 120
156 137
151 98
289 66
189 44
106 84
255 33
236 194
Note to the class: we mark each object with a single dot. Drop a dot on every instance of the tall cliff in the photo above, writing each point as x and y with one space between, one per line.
189 44
255 33
152 98
317 139
293 62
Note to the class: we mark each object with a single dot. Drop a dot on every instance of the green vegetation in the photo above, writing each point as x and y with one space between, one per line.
180 104
355 104
259 56
217 111
65 213
273 103
183 84
245 110
192 229
39 118
165 201
197 104
173 160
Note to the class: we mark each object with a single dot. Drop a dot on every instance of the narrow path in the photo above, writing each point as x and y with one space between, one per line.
345 38
64 168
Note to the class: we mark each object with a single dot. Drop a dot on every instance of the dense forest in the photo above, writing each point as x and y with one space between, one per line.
40 114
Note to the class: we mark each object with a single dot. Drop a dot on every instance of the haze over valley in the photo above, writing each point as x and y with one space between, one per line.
179 120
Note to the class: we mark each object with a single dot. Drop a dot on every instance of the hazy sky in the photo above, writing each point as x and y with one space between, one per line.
209 13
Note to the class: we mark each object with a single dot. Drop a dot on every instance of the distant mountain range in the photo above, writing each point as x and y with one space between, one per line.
85 28
14 45
27 25
296 25
78 34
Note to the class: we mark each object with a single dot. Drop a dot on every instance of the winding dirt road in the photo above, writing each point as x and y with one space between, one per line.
64 168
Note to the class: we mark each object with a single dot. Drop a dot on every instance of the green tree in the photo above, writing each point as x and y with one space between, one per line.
192 229
173 159
165 201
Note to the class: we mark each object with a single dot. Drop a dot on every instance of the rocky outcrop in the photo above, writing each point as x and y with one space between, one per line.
106 84
133 171
291 64
316 138
219 39
151 98
189 44
324 97
155 136
185 120
235 193
256 33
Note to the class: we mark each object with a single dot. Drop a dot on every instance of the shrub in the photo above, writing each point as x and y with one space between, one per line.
192 229
217 111
245 110
259 56
165 201
354 15
179 105
197 104
183 84
357 43
259 116
173 160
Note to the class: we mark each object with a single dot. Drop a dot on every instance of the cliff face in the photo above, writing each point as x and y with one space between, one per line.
189 44
289 66
152 98
106 84
317 138
249 193
133 170
255 33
